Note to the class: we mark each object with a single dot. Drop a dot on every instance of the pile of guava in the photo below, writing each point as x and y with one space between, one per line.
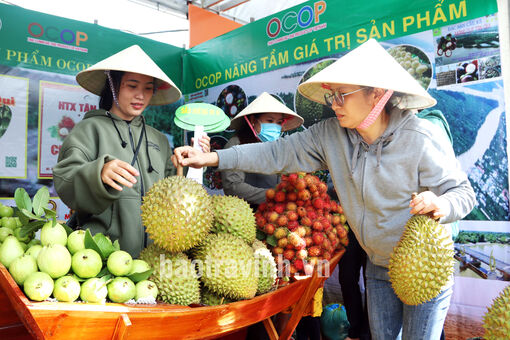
65 264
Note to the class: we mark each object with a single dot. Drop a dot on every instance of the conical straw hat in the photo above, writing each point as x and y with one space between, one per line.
132 59
266 103
368 65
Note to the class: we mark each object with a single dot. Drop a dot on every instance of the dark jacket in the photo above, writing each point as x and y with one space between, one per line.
77 175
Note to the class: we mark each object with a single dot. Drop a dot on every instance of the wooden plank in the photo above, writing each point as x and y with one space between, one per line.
270 329
123 323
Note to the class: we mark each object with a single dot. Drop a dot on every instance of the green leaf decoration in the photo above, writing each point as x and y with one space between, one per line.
137 277
53 131
78 278
40 201
271 240
67 228
261 236
105 244
22 200
30 228
22 217
116 245
103 272
32 216
90 243
49 213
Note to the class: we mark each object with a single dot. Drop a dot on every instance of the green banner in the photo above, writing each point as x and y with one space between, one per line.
315 29
48 43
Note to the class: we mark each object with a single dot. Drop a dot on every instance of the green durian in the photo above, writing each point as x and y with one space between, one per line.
421 263
177 213
211 299
234 216
266 267
497 319
175 277
227 266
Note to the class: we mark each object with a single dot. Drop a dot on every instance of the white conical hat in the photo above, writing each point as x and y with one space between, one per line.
266 103
132 59
368 65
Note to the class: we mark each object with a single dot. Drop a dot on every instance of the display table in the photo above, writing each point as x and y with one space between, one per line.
22 319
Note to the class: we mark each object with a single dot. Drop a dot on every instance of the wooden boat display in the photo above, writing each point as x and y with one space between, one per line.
21 318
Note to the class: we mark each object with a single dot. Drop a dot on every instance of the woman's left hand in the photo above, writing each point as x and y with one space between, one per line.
204 142
428 203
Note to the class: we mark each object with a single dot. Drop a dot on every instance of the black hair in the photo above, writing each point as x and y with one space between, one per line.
245 133
106 97
395 99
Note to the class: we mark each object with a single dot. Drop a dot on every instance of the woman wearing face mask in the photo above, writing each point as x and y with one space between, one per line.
111 158
263 120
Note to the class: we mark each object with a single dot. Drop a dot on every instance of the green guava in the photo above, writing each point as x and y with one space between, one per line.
9 222
139 266
119 263
67 289
76 241
121 289
93 290
146 289
38 286
53 235
86 263
6 211
55 260
34 251
4 232
10 250
22 267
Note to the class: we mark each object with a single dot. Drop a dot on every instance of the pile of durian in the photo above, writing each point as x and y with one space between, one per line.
205 249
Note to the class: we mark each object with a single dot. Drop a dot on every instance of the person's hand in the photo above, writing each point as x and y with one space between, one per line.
189 156
204 142
428 203
118 172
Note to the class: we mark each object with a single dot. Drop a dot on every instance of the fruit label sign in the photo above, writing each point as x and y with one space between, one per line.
13 126
61 107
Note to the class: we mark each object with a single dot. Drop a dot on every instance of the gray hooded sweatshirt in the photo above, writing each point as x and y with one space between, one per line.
374 182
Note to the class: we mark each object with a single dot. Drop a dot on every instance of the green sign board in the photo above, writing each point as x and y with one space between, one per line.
315 29
44 42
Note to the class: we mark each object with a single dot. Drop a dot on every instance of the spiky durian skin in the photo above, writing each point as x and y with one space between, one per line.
234 215
211 299
174 274
228 266
497 319
266 267
177 213
422 261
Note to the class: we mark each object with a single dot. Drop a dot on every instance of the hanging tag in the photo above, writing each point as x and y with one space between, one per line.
193 173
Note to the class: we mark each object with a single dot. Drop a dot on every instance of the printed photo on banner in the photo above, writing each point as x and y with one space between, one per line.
467 51
61 107
13 126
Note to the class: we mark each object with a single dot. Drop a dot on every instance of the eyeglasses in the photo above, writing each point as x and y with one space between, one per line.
338 97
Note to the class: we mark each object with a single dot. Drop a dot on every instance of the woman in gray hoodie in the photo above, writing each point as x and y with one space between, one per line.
378 153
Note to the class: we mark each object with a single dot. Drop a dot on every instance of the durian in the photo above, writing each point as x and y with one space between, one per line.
234 216
497 319
211 299
266 267
227 266
174 275
421 263
177 213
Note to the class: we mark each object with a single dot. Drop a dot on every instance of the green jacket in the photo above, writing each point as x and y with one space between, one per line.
77 175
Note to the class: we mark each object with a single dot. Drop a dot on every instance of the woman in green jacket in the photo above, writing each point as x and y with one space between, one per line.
111 158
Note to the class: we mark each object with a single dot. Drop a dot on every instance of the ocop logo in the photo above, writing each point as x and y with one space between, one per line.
53 36
291 21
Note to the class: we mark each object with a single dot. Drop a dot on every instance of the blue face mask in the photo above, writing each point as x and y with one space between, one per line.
269 132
